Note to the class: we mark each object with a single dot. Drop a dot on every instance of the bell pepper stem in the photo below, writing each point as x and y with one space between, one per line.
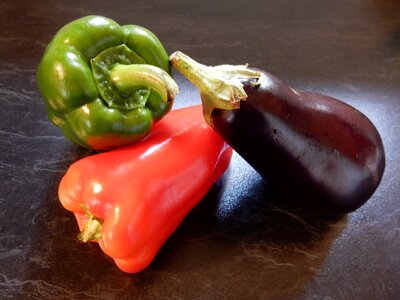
128 77
220 86
92 229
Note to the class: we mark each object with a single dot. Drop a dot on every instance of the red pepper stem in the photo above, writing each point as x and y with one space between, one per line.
220 86
92 229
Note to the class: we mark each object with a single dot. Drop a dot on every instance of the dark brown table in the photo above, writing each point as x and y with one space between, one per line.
240 242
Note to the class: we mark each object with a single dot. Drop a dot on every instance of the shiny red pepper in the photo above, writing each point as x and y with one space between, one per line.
130 200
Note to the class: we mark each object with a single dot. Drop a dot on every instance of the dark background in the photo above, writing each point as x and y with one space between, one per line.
241 241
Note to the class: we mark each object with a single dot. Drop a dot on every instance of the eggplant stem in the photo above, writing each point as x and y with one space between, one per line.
220 86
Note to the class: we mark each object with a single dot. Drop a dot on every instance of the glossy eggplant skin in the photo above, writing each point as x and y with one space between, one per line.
316 150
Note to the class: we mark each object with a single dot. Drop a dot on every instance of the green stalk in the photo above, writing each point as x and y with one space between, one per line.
127 78
92 229
220 86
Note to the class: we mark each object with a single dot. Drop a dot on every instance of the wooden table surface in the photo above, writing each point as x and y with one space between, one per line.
240 242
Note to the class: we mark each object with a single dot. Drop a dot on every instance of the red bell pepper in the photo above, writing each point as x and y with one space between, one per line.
130 200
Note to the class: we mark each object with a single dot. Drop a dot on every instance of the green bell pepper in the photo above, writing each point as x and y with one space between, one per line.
104 84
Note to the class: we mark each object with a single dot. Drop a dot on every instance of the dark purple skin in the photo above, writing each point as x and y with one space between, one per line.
320 152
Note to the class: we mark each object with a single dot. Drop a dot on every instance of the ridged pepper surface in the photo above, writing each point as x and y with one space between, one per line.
131 199
104 84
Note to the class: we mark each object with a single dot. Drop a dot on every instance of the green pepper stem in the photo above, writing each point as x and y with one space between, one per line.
92 229
220 86
128 77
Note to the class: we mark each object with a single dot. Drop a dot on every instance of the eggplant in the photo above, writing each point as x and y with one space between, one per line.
319 152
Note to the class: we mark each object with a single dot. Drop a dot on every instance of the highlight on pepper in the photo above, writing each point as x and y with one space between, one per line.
130 200
105 85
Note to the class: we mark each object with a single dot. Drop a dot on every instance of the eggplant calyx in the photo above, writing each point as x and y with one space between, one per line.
220 86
